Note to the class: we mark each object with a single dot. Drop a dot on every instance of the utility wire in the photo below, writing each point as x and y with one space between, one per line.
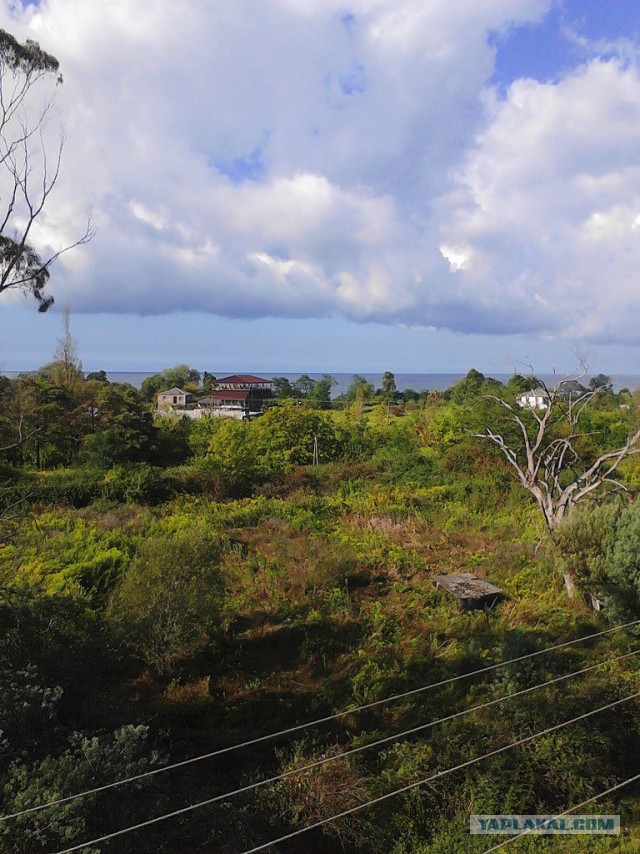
567 812
300 770
316 722
407 788
326 759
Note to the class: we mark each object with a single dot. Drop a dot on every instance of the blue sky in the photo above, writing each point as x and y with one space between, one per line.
547 50
317 185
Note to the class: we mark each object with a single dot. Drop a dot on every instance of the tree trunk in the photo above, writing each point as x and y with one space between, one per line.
569 585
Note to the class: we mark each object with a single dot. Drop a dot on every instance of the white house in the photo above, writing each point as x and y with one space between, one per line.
537 398
173 398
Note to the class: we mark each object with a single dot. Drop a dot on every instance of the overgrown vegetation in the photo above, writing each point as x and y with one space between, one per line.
171 587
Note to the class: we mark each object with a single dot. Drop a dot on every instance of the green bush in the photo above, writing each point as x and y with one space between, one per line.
137 484
583 540
76 487
85 762
169 600
75 558
622 551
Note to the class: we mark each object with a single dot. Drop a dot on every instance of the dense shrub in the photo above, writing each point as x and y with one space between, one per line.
169 600
584 538
622 551
85 762
137 484
70 646
77 487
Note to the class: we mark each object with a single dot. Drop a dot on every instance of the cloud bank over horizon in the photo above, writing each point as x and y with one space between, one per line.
311 158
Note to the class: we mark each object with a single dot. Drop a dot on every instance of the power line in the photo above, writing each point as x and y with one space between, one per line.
325 760
426 779
213 800
316 722
567 812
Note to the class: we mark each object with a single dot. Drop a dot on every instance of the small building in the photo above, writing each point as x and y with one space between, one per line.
469 590
240 396
537 398
173 398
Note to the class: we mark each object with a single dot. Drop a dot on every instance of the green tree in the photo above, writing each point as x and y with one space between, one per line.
98 376
171 440
359 389
409 395
321 391
288 432
622 561
600 381
519 383
207 382
472 387
27 713
7 436
48 420
303 386
69 646
53 409
180 376
235 462
583 541
282 388
124 431
388 389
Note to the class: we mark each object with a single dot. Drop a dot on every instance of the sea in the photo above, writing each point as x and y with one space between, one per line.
417 382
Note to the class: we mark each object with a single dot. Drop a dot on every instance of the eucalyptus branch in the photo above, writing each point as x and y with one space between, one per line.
31 169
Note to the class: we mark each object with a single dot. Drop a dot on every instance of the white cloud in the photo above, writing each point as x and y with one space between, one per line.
553 203
307 157
157 219
459 257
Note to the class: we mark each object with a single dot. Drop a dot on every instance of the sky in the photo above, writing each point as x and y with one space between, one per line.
344 186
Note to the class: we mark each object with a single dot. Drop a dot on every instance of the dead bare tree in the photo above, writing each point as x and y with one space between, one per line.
27 174
545 457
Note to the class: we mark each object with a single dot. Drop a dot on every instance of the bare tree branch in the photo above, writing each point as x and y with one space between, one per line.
546 463
22 437
28 175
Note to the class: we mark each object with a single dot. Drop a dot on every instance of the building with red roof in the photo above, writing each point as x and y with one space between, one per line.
240 395
242 381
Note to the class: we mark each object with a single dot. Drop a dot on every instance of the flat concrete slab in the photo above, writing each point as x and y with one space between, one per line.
469 590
